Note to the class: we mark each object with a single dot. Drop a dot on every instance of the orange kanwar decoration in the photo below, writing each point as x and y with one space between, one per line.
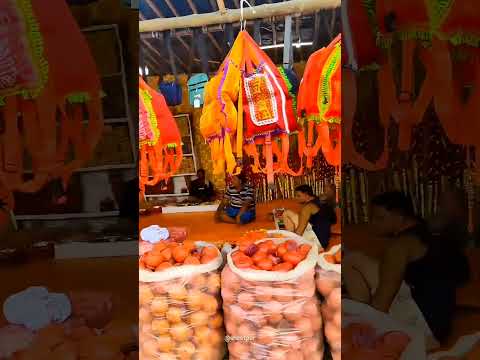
48 81
359 31
159 138
319 103
247 106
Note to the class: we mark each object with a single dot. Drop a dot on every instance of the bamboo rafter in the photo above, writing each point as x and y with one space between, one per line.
233 15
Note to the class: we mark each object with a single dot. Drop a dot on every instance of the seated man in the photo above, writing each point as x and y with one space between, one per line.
201 188
238 204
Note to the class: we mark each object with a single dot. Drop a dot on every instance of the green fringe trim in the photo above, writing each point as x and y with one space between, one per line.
78 98
370 8
438 11
35 44
81 97
463 39
384 41
147 101
319 119
332 63
289 87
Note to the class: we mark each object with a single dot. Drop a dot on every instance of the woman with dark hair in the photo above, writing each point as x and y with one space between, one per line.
317 215
238 204
416 265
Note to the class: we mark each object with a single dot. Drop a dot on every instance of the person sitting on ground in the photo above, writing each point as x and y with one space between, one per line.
317 215
427 268
238 204
201 188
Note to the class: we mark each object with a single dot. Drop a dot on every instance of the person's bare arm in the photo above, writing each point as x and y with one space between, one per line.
303 218
392 271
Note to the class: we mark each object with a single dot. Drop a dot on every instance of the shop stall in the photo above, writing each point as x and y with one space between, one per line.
254 98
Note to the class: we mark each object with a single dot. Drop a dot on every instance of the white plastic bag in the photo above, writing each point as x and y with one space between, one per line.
362 314
273 315
461 349
180 312
328 280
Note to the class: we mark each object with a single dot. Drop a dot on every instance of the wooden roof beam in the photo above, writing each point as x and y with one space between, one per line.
210 36
291 7
155 8
157 53
221 6
172 8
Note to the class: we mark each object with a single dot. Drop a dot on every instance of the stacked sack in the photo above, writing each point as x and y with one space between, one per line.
271 312
328 279
180 305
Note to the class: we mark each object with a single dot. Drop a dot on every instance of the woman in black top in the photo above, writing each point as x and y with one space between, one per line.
316 214
432 266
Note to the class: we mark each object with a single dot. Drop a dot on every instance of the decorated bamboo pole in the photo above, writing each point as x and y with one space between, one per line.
470 192
404 181
396 181
429 201
363 196
422 199
353 193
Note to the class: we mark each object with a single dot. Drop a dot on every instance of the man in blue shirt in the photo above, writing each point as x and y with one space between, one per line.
238 204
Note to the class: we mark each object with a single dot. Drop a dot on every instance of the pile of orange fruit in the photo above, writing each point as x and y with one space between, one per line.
181 318
335 258
275 319
164 255
266 255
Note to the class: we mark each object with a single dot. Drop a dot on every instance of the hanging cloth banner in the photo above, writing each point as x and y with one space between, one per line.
319 101
268 108
37 81
218 123
248 105
160 156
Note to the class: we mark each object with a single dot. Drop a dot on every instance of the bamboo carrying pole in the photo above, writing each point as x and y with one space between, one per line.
233 15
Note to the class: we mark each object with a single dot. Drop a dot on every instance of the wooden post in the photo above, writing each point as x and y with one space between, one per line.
233 15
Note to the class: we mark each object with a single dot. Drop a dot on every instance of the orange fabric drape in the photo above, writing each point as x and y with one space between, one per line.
319 102
161 157
61 77
458 116
364 51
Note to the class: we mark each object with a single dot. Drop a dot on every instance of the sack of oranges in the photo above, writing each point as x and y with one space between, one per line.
269 302
180 305
328 279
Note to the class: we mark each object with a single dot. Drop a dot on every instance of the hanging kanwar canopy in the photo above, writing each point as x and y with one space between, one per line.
247 106
319 103
159 138
48 80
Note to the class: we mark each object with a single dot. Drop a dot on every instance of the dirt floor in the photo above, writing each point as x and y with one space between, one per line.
202 226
